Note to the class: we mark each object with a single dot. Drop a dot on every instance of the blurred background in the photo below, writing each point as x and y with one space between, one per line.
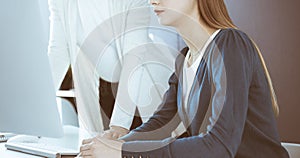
275 26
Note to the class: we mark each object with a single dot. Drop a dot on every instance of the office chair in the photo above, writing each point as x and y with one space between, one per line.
293 149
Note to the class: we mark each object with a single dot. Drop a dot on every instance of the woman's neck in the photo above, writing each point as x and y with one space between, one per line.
195 34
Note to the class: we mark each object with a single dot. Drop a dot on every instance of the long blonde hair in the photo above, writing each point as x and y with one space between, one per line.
214 13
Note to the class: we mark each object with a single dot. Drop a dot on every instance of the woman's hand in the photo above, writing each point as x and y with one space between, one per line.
99 147
115 132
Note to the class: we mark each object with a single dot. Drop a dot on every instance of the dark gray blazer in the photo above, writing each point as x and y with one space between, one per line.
229 108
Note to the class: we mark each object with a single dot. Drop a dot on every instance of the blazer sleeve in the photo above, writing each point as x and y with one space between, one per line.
232 58
58 47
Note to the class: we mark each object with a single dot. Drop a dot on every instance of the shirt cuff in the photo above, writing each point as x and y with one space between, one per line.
146 149
122 118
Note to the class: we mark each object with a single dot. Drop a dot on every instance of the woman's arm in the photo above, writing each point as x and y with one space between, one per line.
164 120
130 21
58 47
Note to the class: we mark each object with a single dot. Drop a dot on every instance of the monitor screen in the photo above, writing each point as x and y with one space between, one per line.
27 95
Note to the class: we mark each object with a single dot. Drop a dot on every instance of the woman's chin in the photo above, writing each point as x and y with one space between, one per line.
164 22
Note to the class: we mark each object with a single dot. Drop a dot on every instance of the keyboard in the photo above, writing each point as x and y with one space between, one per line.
50 147
42 149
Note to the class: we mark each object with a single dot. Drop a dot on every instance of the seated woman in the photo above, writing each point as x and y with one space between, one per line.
221 91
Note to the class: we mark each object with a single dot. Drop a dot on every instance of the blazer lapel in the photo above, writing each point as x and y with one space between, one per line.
179 67
194 96
200 96
181 110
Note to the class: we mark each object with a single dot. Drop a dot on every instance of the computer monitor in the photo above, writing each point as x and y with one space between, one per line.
27 95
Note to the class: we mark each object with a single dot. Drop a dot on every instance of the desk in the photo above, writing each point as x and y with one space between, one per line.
4 153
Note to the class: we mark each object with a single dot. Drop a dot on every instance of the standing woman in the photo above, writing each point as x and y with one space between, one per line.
103 41
221 91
